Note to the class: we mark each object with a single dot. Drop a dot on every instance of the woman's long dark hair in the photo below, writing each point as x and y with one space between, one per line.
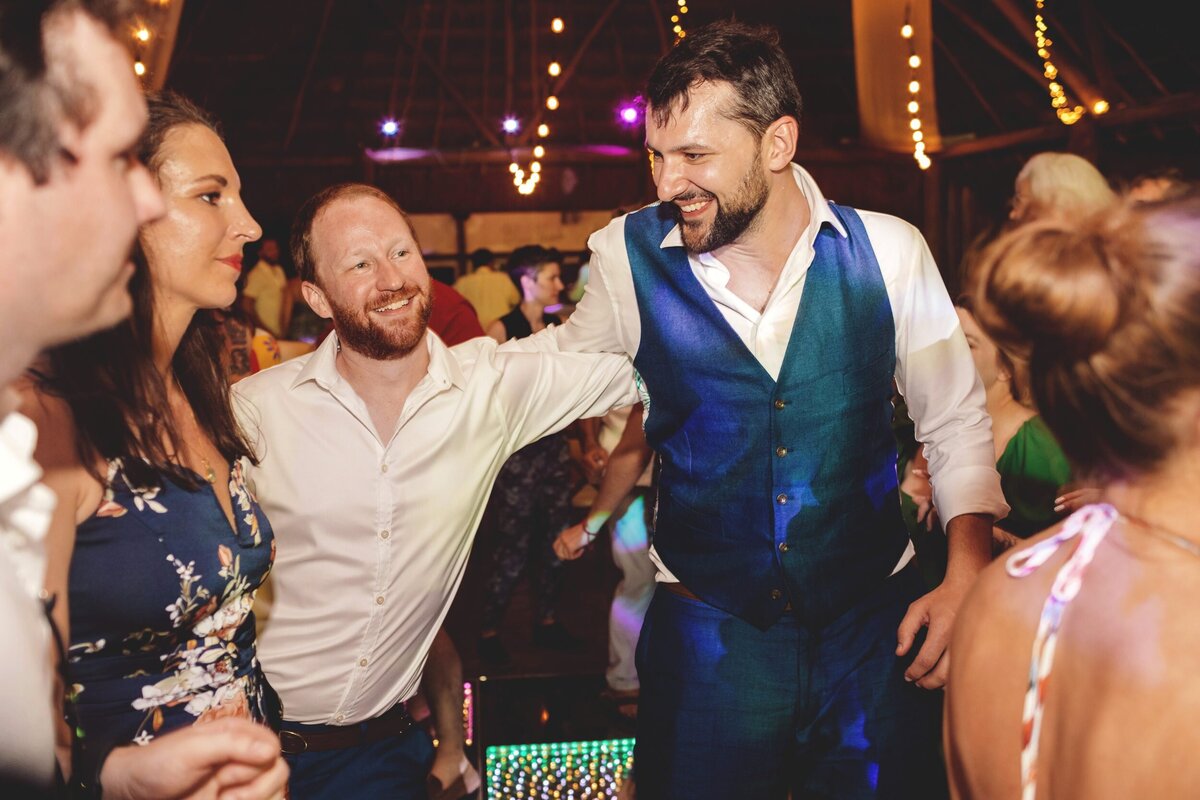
117 397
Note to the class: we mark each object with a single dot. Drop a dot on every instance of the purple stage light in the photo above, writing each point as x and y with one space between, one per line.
389 127
511 125
629 114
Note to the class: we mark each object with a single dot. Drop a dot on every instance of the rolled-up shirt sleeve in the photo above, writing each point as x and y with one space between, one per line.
937 376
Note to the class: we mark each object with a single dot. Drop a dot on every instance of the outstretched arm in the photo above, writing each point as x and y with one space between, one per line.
626 463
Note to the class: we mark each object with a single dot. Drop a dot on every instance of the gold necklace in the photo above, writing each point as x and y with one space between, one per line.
1170 537
210 474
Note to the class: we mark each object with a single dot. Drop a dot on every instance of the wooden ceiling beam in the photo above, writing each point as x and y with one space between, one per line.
1178 106
298 105
1069 70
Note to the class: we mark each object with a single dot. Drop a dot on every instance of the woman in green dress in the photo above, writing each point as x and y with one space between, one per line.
1033 470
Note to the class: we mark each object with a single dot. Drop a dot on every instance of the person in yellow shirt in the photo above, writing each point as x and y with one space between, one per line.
492 293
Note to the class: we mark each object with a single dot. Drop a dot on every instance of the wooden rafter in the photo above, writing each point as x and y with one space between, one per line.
1069 71
970 83
569 70
298 105
990 39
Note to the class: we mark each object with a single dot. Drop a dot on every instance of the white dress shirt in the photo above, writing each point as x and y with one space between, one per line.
373 535
27 726
934 370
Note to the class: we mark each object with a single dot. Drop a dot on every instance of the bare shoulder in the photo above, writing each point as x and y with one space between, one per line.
55 425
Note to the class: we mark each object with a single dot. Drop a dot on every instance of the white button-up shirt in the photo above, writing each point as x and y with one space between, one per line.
934 369
373 535
27 725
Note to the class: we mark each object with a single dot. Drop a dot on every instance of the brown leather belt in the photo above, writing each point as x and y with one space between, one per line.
679 589
683 591
395 722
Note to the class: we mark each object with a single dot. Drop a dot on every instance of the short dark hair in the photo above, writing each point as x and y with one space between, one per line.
748 57
41 83
526 261
300 243
482 257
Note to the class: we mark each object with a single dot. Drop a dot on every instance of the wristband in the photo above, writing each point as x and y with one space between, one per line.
590 536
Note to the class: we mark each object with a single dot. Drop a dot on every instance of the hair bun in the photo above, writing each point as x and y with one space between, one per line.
1048 292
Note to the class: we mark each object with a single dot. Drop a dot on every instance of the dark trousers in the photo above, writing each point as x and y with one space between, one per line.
728 710
394 768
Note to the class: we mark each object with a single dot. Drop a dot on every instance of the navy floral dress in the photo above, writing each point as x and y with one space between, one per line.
162 632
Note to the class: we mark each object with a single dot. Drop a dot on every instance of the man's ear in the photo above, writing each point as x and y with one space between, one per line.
316 299
779 143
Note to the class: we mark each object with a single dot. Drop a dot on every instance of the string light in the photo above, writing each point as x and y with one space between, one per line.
914 89
677 20
139 68
526 183
1066 113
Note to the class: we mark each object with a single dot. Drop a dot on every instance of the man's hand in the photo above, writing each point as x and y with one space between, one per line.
970 551
227 759
452 776
917 486
593 461
572 543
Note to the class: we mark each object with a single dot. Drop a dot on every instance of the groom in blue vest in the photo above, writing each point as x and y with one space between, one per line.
790 645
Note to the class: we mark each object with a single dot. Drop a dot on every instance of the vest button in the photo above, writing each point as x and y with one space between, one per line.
783 547
780 404
776 594
781 498
781 451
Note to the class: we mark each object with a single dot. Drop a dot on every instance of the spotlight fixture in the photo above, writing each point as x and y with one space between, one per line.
511 125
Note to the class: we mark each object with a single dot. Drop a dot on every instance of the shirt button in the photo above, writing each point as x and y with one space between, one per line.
383 467
781 451
781 498
783 547
385 534
776 594
362 662
339 718
379 600
780 404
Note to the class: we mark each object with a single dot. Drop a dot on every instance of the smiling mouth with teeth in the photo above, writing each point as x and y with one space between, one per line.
695 206
396 305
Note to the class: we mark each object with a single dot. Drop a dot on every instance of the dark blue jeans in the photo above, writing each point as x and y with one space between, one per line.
728 710
390 769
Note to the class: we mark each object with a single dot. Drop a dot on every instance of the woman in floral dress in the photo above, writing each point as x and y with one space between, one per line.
157 545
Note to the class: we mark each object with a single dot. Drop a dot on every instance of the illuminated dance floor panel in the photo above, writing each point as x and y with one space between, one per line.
558 771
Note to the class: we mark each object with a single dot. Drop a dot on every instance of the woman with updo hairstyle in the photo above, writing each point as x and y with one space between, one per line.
1075 656
157 545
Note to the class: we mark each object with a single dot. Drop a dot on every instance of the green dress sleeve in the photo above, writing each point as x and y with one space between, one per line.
1033 470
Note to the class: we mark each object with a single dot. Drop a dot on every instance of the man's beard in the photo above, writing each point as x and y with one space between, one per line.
357 331
733 218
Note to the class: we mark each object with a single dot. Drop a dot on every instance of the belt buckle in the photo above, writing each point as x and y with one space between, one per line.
293 739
